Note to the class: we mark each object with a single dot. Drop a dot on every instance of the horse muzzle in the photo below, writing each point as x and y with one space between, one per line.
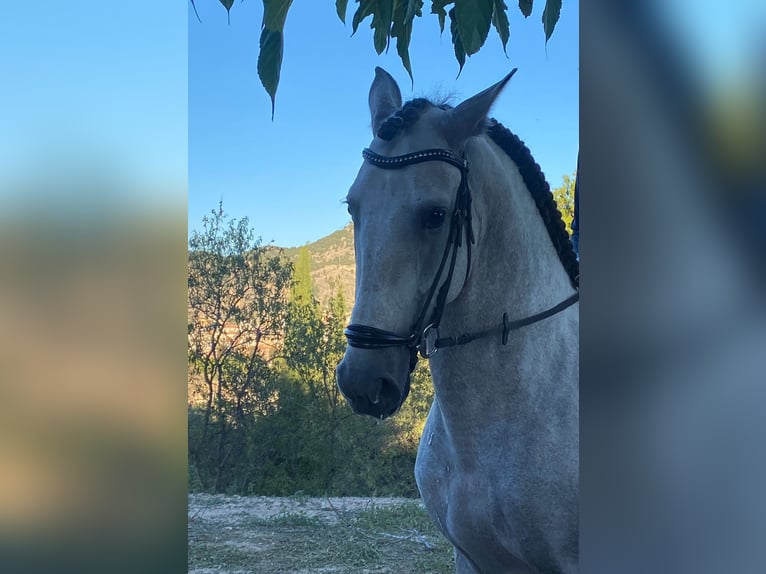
375 382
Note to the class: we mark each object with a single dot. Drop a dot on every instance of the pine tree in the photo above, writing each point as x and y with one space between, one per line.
302 291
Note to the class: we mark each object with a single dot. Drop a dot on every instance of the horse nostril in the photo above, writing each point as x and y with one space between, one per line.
383 392
373 391
388 393
378 397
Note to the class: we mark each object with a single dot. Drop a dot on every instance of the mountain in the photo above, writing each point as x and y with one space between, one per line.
332 264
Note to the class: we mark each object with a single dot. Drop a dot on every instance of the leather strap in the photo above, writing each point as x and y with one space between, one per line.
424 338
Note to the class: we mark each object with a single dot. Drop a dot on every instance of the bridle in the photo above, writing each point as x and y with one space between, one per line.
425 339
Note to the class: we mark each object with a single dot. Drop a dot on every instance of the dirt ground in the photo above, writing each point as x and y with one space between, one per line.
301 535
228 510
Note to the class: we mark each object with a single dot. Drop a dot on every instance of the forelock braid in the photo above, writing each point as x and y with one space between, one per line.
403 118
541 192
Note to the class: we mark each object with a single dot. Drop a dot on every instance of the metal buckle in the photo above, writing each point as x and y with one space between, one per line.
427 345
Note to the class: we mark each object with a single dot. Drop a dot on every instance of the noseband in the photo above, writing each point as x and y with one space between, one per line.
426 339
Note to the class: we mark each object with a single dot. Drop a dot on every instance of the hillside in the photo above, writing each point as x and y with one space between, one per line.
332 264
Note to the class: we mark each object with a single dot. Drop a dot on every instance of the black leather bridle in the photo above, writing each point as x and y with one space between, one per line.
426 339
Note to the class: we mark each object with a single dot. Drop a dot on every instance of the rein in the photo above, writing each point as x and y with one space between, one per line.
426 339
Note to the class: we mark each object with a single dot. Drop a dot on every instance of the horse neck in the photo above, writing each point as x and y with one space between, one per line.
515 270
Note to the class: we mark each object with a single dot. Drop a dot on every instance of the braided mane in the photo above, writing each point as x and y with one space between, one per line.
537 185
530 171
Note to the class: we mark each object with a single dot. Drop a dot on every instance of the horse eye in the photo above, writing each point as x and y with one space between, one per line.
433 218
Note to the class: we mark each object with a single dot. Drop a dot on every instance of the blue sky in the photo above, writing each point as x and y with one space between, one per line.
90 91
290 175
103 86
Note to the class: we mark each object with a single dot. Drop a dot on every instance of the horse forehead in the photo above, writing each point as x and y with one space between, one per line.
425 133
374 183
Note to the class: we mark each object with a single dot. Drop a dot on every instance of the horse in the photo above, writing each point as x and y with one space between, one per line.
462 258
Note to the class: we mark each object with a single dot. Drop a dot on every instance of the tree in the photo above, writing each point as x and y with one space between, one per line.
302 290
564 197
470 23
314 345
237 301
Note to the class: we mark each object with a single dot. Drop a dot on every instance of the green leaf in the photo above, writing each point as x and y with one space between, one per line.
272 45
270 62
438 8
473 19
381 24
275 14
456 42
526 7
227 4
401 29
366 7
413 9
551 16
500 22
341 7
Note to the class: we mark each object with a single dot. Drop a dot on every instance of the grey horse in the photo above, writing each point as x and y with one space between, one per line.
461 257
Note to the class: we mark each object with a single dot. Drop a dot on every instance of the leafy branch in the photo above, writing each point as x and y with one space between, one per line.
470 24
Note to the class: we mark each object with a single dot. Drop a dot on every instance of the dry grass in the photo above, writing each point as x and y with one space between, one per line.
299 535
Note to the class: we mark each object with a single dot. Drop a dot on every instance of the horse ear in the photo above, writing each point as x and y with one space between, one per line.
468 118
385 98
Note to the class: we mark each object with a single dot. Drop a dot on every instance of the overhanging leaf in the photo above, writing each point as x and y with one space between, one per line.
473 19
275 13
438 8
526 7
366 7
500 22
341 7
270 62
456 42
401 29
381 24
550 17
413 9
227 4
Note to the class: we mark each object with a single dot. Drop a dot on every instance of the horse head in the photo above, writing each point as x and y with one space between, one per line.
414 227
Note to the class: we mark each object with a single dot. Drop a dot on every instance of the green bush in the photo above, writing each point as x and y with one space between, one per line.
266 416
302 447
